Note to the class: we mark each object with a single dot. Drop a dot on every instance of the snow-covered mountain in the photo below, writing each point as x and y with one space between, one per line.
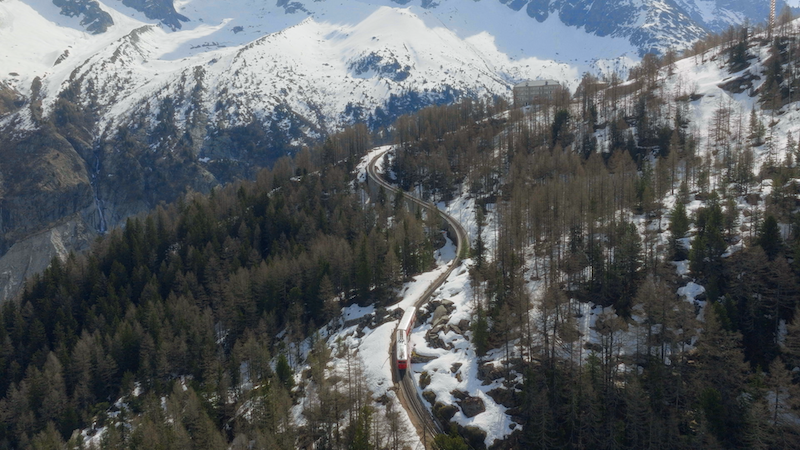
109 106
329 63
647 24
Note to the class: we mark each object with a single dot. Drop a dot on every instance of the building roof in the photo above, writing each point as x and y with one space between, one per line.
536 83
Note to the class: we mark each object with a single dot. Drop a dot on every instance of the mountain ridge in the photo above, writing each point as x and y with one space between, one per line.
152 105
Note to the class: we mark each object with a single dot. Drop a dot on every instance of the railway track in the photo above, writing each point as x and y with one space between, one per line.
426 426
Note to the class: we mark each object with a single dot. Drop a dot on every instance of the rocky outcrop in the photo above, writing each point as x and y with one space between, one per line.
10 100
46 204
470 406
42 181
34 254
93 18
163 10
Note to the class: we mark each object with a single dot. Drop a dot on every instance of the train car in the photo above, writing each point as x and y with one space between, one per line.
403 338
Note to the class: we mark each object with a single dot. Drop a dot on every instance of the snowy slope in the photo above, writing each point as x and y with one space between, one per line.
315 69
323 57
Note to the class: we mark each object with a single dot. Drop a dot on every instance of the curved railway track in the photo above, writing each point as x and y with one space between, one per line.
427 427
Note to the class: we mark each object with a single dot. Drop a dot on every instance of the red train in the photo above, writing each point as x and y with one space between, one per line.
403 338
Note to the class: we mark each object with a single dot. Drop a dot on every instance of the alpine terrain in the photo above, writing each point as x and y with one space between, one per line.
318 225
108 108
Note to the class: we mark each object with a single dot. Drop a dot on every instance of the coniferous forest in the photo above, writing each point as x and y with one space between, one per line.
186 305
586 222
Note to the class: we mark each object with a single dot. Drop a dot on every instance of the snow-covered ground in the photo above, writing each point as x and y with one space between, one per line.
455 367
260 56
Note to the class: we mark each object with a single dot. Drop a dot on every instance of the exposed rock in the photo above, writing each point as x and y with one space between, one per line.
474 436
433 332
438 316
454 368
463 324
504 397
472 406
383 400
34 254
10 99
458 394
94 18
424 379
444 412
438 342
429 396
43 181
163 10
455 329
417 358
383 316
752 199
739 84
488 371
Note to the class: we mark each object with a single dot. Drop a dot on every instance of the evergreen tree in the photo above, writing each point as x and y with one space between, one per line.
769 237
679 225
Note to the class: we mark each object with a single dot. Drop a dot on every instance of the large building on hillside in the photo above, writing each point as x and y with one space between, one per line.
528 91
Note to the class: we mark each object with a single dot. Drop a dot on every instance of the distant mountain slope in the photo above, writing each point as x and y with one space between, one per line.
649 25
148 98
115 122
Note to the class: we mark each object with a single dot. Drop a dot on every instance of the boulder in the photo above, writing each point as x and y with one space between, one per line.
444 412
488 371
459 395
752 199
438 315
424 379
429 396
472 406
417 358
474 436
504 397
437 342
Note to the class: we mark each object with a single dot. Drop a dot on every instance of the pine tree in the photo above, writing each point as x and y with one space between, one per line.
679 225
769 237
720 379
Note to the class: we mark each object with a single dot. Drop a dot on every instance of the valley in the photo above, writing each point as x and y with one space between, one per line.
213 218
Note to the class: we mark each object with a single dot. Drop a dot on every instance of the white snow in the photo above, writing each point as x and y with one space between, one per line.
263 54
494 421
691 291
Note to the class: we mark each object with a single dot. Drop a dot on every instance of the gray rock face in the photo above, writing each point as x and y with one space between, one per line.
34 254
10 100
472 406
163 10
438 316
43 180
97 21
94 18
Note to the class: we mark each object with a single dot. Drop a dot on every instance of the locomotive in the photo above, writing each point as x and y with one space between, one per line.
403 338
